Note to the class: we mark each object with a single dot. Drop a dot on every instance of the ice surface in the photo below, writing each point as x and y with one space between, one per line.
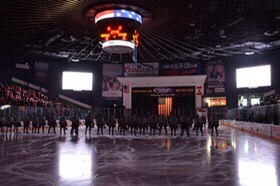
233 158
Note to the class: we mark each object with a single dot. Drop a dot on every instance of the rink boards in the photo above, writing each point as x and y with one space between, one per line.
259 129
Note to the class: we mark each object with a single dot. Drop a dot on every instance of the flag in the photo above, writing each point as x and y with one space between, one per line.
104 15
118 14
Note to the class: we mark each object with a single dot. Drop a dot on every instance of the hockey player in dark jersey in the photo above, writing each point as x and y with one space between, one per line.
111 122
26 123
62 124
173 124
162 122
88 123
153 122
100 124
52 123
185 124
198 125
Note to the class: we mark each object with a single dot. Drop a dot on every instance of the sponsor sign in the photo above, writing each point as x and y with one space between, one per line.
144 69
179 68
275 132
261 128
215 81
111 87
199 90
246 126
237 124
163 91
228 123
264 129
40 71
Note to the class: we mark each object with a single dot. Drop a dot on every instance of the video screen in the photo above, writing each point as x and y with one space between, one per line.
122 29
77 81
253 77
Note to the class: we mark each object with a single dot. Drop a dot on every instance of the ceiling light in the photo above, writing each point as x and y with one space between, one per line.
271 33
249 53
75 60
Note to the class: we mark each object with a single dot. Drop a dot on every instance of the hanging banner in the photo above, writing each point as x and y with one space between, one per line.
111 87
215 81
179 68
143 69
40 71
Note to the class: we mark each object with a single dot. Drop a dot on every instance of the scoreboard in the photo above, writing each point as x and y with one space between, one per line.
118 30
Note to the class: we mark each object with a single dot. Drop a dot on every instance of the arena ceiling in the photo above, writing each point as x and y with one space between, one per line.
178 29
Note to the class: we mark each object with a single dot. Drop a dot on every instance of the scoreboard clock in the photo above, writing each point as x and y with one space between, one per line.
118 30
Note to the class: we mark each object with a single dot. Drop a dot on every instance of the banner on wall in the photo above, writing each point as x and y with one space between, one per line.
163 91
111 87
179 68
40 71
144 69
215 81
202 112
275 132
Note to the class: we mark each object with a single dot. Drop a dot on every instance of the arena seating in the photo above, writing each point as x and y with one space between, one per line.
16 95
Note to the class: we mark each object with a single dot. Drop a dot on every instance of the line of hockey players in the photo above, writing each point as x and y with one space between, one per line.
142 125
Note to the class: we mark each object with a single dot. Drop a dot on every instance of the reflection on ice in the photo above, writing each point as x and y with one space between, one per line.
251 172
166 142
75 162
246 146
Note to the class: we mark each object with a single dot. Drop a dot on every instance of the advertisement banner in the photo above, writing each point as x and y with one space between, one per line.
40 71
111 87
246 126
215 81
229 123
275 132
237 125
143 69
264 129
163 91
179 68
202 112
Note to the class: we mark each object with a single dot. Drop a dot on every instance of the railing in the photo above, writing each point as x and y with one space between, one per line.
269 114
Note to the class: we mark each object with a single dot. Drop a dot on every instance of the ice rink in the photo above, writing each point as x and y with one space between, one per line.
233 158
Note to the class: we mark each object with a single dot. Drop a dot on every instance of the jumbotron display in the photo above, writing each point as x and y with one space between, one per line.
118 30
253 77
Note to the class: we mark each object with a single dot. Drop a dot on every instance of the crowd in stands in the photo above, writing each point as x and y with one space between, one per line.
258 114
17 95
273 99
26 100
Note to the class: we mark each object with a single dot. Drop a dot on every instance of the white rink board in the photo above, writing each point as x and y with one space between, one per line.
267 130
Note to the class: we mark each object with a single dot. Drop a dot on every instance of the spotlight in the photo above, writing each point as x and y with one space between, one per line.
249 53
75 60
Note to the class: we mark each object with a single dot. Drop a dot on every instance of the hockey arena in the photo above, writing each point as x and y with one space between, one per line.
170 92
